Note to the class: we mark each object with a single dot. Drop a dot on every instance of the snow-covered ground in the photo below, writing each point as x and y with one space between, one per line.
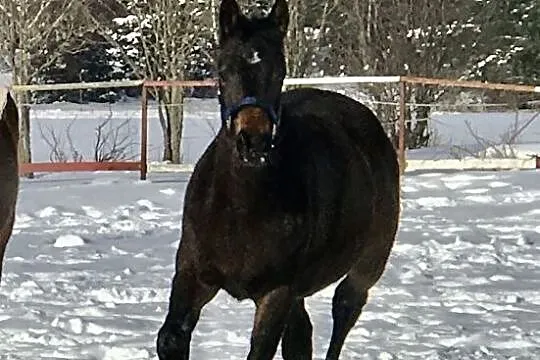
88 271
453 139
459 135
79 121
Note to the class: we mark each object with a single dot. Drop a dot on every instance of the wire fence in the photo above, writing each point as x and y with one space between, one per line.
426 119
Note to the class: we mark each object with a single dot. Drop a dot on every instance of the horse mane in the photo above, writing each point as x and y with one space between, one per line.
9 117
4 93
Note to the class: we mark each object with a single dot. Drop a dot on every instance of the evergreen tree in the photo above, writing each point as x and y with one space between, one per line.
508 47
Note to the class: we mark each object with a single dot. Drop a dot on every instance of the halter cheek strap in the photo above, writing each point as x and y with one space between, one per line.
231 112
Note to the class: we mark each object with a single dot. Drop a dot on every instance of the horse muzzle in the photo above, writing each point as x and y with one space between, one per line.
253 149
254 133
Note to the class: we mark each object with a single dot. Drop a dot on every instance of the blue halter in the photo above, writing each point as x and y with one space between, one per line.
228 113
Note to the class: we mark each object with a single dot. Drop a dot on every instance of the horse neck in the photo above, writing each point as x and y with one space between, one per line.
9 134
9 120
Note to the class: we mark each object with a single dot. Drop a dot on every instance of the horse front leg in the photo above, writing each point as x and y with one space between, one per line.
5 234
270 319
188 296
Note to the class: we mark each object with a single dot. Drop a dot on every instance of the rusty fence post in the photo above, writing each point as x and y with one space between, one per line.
401 130
144 132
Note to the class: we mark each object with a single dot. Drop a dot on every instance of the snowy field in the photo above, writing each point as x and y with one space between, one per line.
487 136
453 138
88 270
66 120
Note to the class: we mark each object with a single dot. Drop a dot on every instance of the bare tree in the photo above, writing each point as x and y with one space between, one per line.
55 144
504 147
400 37
112 142
156 38
307 45
33 35
309 21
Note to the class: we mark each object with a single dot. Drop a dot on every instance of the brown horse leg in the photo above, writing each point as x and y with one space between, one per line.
5 234
346 308
296 343
188 296
3 245
270 318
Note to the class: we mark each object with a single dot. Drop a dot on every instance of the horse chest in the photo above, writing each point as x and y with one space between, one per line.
245 232
244 249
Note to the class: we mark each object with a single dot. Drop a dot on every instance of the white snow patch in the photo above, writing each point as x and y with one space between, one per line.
92 212
501 278
168 191
483 199
69 240
47 212
409 189
498 184
454 184
435 201
118 353
146 205
475 191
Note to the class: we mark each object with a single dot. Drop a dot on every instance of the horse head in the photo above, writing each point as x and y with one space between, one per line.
251 70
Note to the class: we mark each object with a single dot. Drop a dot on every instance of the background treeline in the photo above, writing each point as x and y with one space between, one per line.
46 41
54 41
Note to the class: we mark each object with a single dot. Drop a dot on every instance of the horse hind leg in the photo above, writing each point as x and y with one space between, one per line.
347 303
352 293
296 343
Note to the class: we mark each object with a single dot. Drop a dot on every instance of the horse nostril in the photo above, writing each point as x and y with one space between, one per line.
252 148
244 138
243 142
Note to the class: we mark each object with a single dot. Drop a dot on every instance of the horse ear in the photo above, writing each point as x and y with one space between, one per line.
229 13
280 15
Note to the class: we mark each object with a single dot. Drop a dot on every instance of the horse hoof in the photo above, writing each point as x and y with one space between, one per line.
172 344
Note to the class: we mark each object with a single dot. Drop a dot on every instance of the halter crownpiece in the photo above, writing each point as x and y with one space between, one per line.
231 112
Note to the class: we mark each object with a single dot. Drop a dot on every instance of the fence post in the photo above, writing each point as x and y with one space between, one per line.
144 132
401 131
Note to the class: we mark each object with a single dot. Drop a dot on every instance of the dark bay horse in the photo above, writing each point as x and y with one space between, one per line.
297 190
9 170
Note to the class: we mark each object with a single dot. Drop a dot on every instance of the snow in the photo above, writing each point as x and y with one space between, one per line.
87 272
454 135
452 140
68 240
463 280
200 124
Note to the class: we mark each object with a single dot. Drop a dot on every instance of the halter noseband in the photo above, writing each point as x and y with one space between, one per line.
231 112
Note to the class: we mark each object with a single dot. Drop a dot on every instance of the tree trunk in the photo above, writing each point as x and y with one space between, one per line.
417 134
165 130
176 120
25 152
172 124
